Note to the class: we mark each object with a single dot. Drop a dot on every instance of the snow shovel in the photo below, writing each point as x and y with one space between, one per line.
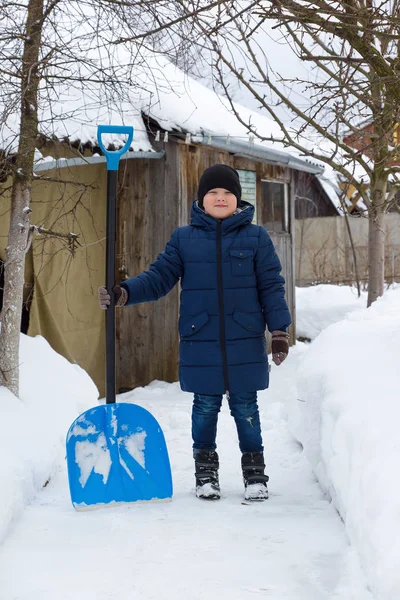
116 453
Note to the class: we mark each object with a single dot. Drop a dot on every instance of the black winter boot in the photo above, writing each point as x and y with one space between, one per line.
207 484
255 481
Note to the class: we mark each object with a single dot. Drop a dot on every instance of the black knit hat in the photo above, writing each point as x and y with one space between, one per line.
219 176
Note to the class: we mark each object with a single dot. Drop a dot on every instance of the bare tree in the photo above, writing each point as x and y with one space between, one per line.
28 79
345 112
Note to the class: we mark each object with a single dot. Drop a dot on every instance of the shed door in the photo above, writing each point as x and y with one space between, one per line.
275 217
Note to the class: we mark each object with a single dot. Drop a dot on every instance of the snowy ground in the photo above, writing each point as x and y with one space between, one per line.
348 422
294 546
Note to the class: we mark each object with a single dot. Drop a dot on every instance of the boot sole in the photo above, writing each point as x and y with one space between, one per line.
254 501
209 497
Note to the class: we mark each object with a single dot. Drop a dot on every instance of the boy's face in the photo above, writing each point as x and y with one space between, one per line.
219 203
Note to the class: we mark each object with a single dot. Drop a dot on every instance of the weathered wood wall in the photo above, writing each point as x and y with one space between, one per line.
148 214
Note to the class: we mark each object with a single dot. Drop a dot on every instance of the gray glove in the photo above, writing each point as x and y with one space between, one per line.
280 346
121 296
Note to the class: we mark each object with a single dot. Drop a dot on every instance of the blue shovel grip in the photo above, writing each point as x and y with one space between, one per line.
113 156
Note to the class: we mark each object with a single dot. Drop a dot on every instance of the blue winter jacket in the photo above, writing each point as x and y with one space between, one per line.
231 289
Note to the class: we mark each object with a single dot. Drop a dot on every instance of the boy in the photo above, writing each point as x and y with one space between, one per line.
231 290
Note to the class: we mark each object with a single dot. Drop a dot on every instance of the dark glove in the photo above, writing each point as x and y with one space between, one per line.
280 346
121 296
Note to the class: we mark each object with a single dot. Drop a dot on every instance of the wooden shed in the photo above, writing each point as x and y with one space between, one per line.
156 190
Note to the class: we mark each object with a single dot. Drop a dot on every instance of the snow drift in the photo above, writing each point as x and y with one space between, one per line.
53 392
347 418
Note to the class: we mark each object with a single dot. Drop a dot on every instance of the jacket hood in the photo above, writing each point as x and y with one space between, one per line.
244 216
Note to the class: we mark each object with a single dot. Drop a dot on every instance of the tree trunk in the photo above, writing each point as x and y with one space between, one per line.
20 199
376 239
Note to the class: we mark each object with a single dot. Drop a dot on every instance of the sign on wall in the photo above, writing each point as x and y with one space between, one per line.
248 181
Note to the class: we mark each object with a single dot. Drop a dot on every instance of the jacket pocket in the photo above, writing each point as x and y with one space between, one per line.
252 322
242 262
192 325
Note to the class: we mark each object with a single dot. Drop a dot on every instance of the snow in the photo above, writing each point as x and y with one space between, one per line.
135 445
330 446
33 428
93 456
348 421
321 305
255 490
292 546
190 106
163 92
205 490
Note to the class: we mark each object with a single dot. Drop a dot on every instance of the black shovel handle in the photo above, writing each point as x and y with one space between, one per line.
112 158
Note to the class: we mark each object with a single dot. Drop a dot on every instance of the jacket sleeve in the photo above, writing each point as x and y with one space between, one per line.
270 284
161 277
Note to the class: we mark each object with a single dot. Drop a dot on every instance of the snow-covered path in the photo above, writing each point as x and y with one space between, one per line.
293 546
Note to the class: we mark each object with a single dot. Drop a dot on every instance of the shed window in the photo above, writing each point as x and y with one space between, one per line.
275 206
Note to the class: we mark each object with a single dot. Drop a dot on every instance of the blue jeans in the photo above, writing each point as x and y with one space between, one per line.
244 410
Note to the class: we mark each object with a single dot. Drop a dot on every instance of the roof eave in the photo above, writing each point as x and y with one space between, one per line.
261 154
92 160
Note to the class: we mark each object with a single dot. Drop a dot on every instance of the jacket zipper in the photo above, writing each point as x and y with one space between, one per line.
221 306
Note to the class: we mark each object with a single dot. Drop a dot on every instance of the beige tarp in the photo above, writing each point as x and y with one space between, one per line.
65 279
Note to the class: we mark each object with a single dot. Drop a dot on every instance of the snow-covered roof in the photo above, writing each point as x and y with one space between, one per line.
177 102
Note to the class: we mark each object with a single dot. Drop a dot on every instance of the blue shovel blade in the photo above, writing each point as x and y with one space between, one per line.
116 453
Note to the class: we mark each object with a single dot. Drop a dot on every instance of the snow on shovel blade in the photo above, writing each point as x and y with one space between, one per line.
116 453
